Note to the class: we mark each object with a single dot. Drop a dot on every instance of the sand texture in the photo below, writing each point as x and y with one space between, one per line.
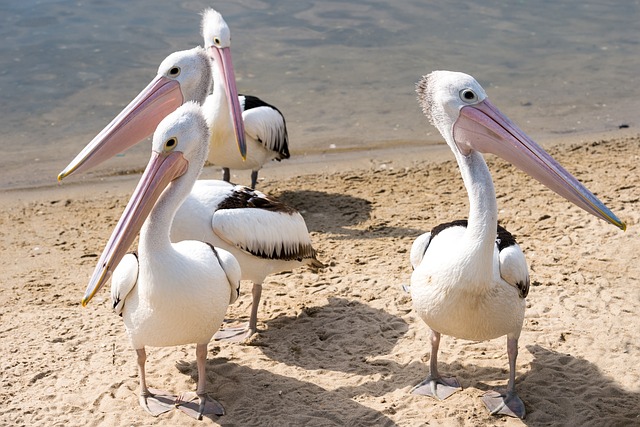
342 346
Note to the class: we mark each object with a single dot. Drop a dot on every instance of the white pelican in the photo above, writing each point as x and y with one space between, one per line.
259 129
182 76
264 126
170 293
266 236
471 278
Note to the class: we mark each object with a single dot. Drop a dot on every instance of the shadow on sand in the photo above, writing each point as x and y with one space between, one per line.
336 213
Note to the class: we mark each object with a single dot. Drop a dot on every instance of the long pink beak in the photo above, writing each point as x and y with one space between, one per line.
161 170
222 59
136 122
482 127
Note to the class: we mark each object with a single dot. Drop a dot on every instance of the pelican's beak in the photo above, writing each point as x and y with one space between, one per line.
482 127
136 122
222 59
161 170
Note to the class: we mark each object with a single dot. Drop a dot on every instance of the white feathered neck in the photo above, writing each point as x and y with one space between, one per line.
154 234
439 94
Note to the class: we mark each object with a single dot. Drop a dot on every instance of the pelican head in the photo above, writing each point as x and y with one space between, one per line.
191 69
180 138
217 42
183 76
457 105
215 30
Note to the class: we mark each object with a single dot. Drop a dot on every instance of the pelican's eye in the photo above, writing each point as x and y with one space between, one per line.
174 71
216 41
170 144
467 95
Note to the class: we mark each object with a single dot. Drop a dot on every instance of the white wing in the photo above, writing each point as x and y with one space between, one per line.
266 125
123 280
418 249
231 268
264 233
513 268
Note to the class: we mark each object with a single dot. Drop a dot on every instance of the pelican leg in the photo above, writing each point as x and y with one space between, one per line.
155 402
435 385
508 402
254 179
244 331
205 406
256 293
226 174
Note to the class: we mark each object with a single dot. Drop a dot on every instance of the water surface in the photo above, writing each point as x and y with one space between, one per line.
343 73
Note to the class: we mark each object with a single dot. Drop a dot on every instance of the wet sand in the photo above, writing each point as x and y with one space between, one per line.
341 346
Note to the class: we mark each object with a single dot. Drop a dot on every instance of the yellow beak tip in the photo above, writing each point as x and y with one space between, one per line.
86 299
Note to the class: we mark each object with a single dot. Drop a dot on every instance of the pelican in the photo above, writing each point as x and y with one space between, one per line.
264 125
470 277
182 77
169 293
258 128
265 235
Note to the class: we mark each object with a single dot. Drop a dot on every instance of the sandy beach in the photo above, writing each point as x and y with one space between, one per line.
342 346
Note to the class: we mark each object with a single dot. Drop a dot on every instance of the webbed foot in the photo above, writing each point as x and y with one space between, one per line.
504 404
440 388
157 402
235 333
198 405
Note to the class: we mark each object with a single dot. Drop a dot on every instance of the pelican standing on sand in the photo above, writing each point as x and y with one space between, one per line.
264 126
265 235
170 293
470 277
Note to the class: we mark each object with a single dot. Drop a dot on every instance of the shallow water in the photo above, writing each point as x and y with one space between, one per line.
343 73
